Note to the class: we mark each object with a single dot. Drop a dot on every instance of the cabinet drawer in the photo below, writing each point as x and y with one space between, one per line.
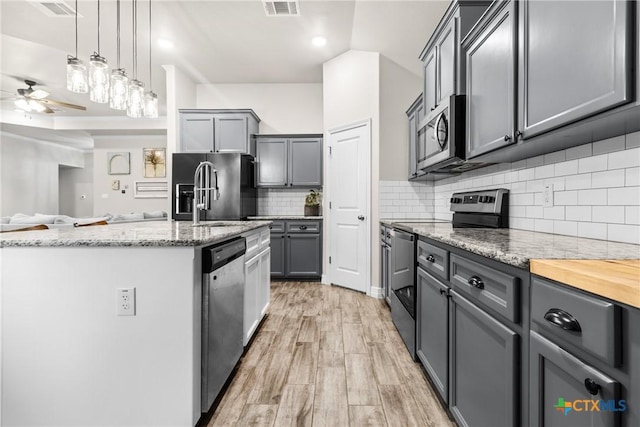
496 290
253 244
303 227
277 227
567 316
265 238
433 259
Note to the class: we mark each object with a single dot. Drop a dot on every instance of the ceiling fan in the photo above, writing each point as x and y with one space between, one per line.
35 100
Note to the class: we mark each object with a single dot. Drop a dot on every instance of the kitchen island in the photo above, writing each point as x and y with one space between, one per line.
69 359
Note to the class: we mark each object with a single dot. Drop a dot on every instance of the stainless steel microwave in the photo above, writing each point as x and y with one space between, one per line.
442 147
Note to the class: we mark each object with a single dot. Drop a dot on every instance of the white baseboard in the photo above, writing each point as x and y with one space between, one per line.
376 292
324 279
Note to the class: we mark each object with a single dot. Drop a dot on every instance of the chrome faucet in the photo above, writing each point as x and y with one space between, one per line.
202 188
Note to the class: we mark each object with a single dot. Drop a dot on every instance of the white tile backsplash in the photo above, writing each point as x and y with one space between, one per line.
282 201
406 200
596 190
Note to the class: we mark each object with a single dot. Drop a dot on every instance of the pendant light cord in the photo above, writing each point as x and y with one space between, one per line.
76 28
150 84
98 27
118 31
135 39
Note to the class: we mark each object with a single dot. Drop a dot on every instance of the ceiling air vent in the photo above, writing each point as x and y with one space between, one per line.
281 8
56 9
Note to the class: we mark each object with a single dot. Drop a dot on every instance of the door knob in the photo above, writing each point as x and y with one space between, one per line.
361 217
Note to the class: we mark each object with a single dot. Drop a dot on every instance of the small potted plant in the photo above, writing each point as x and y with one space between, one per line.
312 204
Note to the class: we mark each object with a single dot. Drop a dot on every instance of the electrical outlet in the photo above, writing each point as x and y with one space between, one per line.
126 301
547 196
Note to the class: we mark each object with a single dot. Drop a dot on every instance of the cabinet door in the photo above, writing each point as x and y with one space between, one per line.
432 343
303 255
252 283
264 284
559 388
484 384
305 162
446 64
490 84
573 61
196 133
429 93
413 145
272 162
231 134
421 138
277 255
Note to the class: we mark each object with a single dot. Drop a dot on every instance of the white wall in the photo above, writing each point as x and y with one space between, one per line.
282 108
596 190
399 88
116 201
76 189
29 174
351 94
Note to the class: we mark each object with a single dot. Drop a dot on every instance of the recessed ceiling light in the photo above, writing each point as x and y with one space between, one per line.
319 41
165 44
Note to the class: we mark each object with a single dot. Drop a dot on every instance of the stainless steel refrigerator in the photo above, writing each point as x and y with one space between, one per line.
236 182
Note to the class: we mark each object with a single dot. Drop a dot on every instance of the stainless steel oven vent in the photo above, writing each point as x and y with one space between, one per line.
281 8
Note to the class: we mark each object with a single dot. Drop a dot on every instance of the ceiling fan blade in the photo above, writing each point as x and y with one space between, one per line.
63 104
48 110
39 94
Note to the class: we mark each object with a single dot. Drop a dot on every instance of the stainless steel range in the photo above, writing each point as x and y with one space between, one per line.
484 208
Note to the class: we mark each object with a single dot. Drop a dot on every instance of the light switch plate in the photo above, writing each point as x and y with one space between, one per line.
547 196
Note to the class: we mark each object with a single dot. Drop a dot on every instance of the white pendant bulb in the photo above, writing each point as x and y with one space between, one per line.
119 84
98 73
76 70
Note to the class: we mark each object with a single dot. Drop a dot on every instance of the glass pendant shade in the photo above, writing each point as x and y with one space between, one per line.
119 89
98 79
76 75
151 105
135 106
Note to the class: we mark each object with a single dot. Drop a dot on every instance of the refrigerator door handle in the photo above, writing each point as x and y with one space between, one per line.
255 173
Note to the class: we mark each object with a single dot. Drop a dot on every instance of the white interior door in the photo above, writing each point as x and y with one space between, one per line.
349 171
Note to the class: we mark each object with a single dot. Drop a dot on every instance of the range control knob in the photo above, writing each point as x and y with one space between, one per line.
482 199
490 199
455 200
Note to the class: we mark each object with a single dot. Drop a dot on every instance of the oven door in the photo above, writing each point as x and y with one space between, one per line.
441 135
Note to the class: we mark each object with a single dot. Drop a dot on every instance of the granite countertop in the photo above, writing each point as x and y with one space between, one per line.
282 217
518 247
160 233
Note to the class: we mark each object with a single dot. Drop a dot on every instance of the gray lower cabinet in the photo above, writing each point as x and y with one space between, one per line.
296 249
558 379
484 367
569 72
289 160
491 71
218 131
432 339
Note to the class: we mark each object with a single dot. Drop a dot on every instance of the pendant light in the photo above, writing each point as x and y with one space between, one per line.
150 98
76 70
135 106
98 73
119 81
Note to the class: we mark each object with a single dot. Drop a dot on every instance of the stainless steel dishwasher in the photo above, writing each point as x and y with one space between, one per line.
222 315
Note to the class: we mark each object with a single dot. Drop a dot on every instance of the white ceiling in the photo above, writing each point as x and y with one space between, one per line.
214 41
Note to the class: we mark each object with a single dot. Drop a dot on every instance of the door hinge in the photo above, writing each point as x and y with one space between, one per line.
329 205
329 260
330 150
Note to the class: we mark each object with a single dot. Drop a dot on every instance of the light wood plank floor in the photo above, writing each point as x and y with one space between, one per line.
327 356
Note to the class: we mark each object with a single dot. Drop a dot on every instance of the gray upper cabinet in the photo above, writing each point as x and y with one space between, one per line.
218 131
574 61
289 160
415 114
490 56
446 70
430 83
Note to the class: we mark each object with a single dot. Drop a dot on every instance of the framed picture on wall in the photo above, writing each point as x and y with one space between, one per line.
118 163
154 162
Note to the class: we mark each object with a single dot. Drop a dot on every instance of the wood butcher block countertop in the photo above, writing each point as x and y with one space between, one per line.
618 280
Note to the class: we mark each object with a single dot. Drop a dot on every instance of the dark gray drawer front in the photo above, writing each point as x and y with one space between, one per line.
494 289
597 322
277 227
303 226
433 259
556 374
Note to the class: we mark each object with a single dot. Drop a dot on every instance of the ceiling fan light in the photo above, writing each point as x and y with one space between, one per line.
119 88
76 75
135 106
36 106
98 79
23 105
151 105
